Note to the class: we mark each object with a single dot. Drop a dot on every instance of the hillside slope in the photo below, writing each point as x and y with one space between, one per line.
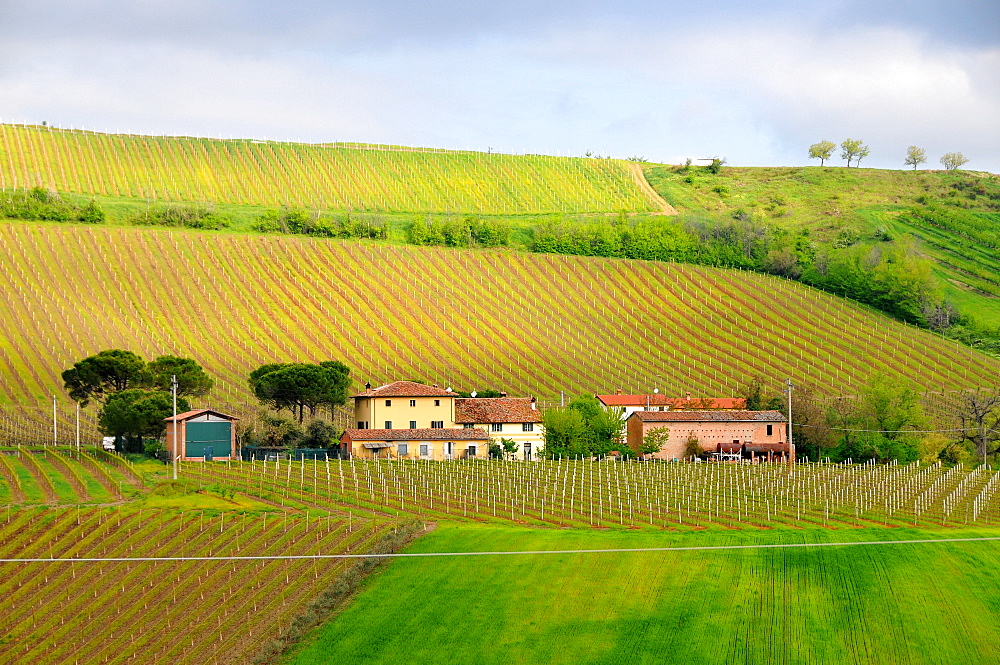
951 218
537 324
337 177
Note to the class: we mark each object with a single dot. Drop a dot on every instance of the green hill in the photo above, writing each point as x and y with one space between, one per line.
951 218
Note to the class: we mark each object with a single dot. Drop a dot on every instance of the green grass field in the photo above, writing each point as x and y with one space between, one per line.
924 603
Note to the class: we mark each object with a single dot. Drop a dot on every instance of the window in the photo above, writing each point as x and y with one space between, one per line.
413 424
362 424
437 402
424 450
413 402
472 451
402 449
496 427
528 427
388 424
770 430
388 402
468 425
437 424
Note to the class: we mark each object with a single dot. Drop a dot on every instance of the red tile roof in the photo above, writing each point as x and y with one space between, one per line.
709 416
699 403
188 415
405 389
496 410
423 434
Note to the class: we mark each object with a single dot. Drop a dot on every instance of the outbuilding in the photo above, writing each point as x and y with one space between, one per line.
202 435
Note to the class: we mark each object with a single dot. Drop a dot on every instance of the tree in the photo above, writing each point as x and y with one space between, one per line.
693 448
978 414
953 160
298 386
915 156
853 148
566 433
319 434
822 151
654 440
271 431
191 378
104 373
756 400
135 413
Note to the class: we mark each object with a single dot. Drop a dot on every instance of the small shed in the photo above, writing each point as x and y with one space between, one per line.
202 435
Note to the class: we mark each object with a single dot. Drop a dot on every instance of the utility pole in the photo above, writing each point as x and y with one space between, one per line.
55 426
173 451
791 446
78 428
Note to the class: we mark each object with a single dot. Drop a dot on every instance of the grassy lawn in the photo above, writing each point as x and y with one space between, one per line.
918 603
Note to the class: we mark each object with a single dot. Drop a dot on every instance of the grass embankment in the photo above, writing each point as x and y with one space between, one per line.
952 216
337 177
925 603
533 324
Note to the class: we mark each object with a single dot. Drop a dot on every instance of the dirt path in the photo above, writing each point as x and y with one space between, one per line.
17 496
640 179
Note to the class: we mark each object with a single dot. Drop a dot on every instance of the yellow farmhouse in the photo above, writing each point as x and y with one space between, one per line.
408 420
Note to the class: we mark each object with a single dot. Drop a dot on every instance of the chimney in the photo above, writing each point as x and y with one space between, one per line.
368 385
618 392
436 385
689 396
533 405
503 394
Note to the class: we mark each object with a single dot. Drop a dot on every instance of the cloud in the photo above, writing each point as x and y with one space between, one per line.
755 82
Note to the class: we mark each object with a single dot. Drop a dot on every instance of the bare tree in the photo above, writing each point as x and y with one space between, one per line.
978 414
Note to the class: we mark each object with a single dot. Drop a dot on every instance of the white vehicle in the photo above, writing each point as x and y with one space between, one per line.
108 443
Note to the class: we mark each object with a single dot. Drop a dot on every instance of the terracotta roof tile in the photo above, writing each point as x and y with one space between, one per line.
496 410
697 403
405 389
423 434
187 415
709 416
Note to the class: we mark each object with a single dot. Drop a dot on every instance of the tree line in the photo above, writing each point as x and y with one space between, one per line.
855 150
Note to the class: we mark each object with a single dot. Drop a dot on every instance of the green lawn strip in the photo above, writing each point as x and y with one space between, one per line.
29 485
858 604
60 485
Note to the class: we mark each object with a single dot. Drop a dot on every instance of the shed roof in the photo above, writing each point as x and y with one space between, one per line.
423 434
709 416
658 400
405 389
496 410
188 415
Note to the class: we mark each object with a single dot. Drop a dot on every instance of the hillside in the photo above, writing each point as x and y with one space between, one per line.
951 218
339 176
531 324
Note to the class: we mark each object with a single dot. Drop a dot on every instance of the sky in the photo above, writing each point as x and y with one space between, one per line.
752 82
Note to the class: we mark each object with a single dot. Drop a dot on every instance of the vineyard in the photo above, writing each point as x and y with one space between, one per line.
329 177
65 476
162 611
589 494
530 324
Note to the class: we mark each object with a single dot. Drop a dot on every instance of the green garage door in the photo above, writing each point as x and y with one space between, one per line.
215 436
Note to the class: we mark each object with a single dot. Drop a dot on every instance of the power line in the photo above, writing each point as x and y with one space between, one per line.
409 555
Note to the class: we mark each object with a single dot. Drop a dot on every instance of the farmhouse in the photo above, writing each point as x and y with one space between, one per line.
514 418
202 434
748 433
405 419
658 402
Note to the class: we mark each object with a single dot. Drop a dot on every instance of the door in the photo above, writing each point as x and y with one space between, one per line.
527 452
208 453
